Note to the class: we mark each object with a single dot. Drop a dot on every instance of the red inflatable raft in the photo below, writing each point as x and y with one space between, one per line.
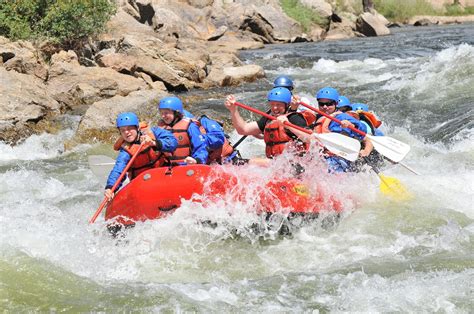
158 192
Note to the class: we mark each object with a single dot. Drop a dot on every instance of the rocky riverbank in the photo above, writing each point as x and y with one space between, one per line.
151 48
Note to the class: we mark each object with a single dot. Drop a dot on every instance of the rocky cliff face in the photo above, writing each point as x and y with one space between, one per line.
151 48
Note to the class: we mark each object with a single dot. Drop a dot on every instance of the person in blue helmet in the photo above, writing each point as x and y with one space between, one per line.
328 100
156 142
276 135
287 82
192 146
368 118
343 104
220 150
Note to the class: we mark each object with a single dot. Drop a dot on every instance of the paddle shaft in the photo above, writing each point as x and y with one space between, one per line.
124 172
239 141
266 115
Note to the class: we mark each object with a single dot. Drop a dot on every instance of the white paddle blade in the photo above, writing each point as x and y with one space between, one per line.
101 166
341 145
389 147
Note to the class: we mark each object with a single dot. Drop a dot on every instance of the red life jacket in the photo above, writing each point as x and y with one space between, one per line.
309 116
275 138
146 159
216 155
180 132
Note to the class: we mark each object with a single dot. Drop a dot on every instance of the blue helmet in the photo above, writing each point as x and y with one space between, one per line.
172 102
283 81
343 102
328 93
359 106
188 114
280 94
126 119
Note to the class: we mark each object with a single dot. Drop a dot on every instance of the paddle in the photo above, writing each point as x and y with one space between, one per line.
124 172
338 144
392 187
387 146
101 165
239 141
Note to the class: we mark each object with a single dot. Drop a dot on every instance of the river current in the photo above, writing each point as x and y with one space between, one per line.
382 256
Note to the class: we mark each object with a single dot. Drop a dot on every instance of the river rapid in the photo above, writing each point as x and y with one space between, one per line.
382 256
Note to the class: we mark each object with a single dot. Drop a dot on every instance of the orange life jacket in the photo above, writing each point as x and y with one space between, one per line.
275 138
216 155
309 116
180 132
322 125
147 158
368 117
371 119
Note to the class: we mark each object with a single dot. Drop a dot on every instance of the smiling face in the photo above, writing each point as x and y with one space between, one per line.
327 106
129 133
277 108
167 115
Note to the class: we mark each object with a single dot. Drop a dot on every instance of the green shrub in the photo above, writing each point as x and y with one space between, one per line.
69 20
401 11
469 10
454 10
302 14
62 21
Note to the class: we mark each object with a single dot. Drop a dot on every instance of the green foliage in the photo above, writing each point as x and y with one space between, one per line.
302 14
62 21
469 10
455 10
396 10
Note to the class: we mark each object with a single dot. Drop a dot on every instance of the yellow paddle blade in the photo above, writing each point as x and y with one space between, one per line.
394 189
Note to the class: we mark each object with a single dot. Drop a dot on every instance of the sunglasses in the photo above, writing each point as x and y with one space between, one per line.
327 104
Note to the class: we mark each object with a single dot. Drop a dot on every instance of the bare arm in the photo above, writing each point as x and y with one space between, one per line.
368 147
242 127
303 136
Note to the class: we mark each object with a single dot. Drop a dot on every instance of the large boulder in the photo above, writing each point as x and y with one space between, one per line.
98 122
234 75
341 30
370 24
76 85
24 103
22 57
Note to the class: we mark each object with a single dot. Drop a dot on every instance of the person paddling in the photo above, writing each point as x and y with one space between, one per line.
368 118
157 141
328 100
219 148
276 137
192 148
287 82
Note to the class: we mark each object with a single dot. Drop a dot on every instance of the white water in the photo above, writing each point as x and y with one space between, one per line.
383 256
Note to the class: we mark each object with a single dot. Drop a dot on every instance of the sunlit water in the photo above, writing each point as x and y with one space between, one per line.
383 256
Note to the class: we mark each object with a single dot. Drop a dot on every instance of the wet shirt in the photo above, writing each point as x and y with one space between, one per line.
337 128
215 135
